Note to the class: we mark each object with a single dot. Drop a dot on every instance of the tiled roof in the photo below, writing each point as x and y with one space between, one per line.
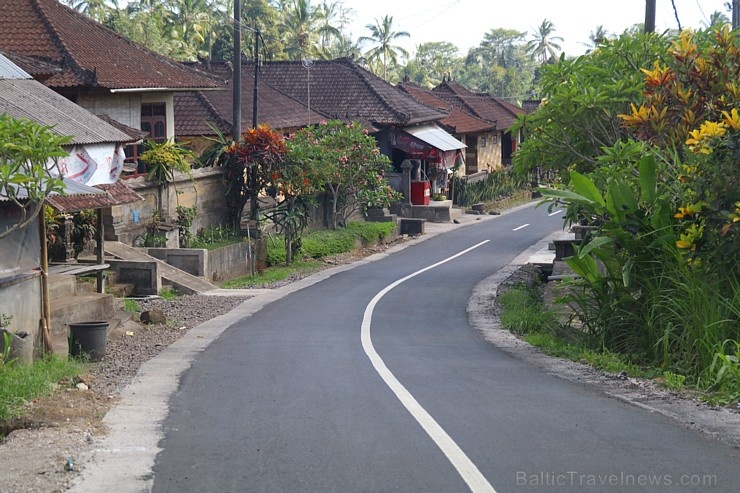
480 105
88 53
115 194
529 105
29 99
278 110
342 89
458 121
132 132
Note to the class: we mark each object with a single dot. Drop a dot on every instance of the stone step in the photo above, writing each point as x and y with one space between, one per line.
84 307
121 290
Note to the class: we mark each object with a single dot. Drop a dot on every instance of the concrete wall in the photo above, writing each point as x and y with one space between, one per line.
126 108
489 153
20 297
217 265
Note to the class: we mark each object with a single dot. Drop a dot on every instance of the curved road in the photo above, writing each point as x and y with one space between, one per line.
372 380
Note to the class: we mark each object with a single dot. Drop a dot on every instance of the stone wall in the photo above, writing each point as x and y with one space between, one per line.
204 190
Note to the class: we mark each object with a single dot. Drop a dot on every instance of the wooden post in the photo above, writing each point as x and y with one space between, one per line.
99 251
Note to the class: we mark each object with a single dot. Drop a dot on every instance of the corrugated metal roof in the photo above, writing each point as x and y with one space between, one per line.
435 137
29 99
9 70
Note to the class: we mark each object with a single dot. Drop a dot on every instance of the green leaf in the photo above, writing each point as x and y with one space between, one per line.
586 188
566 195
647 179
597 242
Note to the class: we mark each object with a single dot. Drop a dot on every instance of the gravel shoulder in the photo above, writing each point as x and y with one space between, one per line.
63 426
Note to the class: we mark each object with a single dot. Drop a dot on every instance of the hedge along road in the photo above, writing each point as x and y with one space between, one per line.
288 399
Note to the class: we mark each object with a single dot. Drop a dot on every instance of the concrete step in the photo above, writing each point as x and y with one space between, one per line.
87 307
118 324
184 282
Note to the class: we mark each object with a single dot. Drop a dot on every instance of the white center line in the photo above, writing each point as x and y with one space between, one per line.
521 227
465 467
555 213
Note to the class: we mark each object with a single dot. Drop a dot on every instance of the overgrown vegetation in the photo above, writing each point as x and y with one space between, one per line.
498 184
315 245
20 384
659 279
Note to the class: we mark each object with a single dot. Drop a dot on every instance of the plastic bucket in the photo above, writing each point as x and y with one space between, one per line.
88 338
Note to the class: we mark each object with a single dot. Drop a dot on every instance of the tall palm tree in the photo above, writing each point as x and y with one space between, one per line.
542 46
300 28
383 35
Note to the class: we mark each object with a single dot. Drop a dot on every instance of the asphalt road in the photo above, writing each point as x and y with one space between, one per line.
372 380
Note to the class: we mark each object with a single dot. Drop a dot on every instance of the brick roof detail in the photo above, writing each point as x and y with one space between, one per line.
88 53
500 112
342 89
458 121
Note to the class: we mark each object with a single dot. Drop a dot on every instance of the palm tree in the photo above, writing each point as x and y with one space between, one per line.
542 47
383 36
300 29
95 9
717 19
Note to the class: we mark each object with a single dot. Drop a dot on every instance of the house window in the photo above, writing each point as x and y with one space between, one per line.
494 139
482 141
154 123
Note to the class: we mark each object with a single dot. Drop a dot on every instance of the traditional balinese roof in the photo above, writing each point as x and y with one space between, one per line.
103 196
458 121
278 110
342 89
23 97
483 106
87 53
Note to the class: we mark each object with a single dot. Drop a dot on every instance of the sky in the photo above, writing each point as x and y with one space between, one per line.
464 22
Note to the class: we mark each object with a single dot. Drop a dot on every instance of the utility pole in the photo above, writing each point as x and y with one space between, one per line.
735 14
649 16
236 80
256 76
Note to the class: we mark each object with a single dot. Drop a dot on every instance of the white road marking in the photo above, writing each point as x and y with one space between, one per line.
521 227
465 467
555 213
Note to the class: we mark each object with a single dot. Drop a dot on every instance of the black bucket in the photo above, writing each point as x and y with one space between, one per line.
88 338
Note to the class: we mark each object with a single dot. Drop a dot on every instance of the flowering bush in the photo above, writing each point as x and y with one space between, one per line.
347 162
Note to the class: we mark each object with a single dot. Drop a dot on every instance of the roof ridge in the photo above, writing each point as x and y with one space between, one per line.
212 109
69 54
359 71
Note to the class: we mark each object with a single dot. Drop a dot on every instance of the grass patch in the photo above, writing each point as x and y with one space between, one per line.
169 294
314 245
216 237
271 275
20 384
131 306
524 313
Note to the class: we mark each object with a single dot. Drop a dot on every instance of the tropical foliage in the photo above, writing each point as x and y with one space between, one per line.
346 161
27 151
659 278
